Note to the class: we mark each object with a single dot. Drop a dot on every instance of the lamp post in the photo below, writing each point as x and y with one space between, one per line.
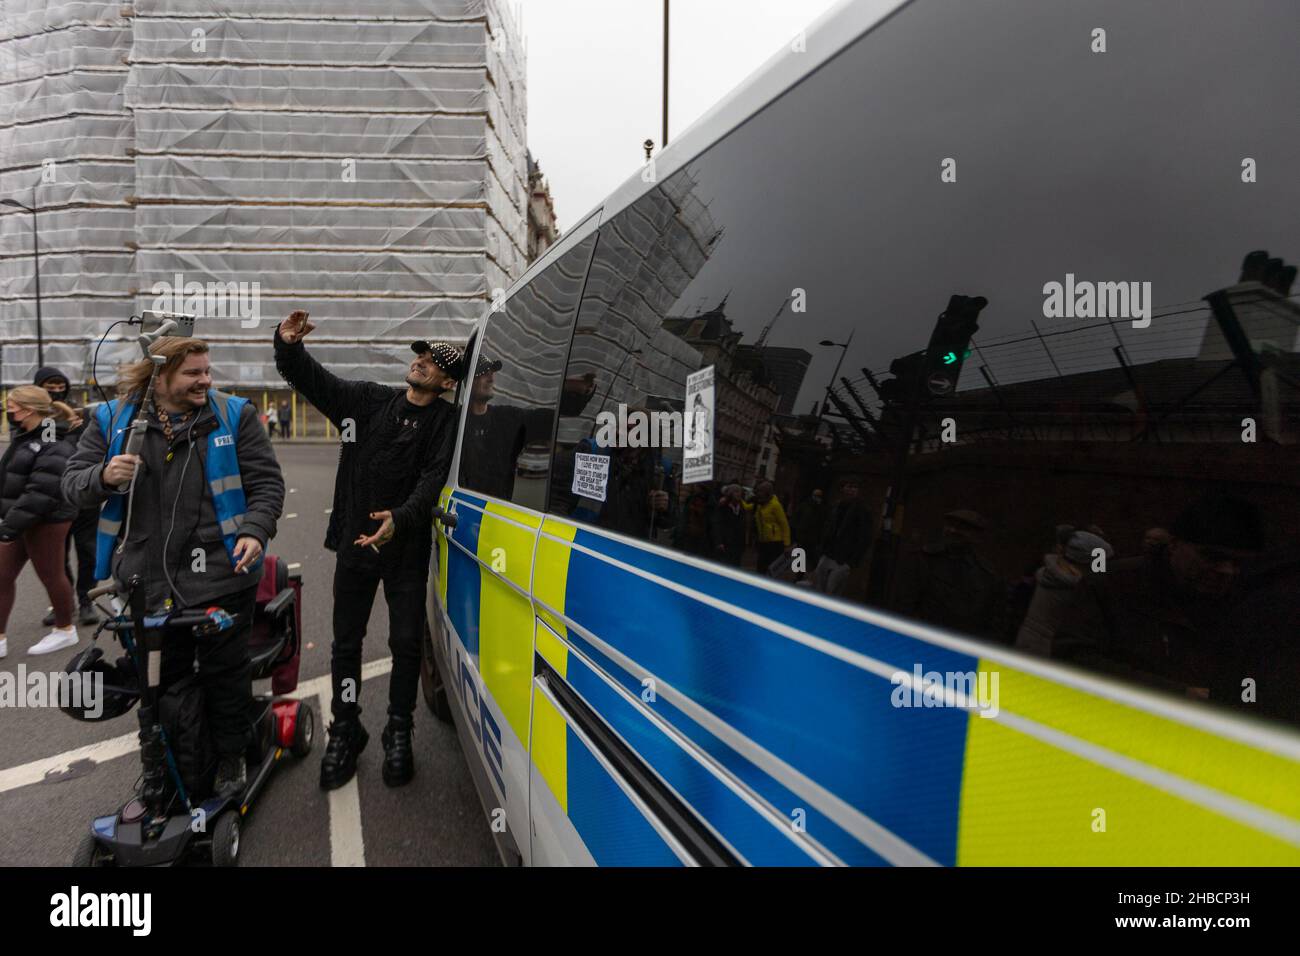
844 346
664 141
36 268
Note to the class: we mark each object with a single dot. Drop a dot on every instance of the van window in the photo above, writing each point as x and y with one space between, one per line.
1011 352
517 385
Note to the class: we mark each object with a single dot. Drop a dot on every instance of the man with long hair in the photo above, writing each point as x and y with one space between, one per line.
208 492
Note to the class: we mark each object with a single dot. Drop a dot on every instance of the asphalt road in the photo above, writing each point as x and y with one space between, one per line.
49 792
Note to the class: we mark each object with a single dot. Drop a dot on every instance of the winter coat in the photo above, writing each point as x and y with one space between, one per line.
1067 618
30 472
770 522
173 506
848 533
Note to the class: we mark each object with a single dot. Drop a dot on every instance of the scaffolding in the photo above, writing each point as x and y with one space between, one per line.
365 161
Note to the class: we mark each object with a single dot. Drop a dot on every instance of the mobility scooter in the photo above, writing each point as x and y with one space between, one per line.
175 816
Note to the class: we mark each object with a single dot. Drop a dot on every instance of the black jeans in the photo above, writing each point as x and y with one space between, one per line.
354 596
81 538
224 671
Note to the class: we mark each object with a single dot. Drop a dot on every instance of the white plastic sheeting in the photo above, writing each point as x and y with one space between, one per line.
364 160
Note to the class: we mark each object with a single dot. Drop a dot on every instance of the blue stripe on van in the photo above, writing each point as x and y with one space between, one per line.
464 582
463 597
829 719
818 826
894 648
468 521
754 837
611 826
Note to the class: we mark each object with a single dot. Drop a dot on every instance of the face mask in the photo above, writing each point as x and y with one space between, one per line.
14 424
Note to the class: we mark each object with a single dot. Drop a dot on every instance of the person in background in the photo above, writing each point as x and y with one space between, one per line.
1179 608
81 536
810 526
34 517
272 419
727 521
286 419
1068 618
847 536
771 526
693 533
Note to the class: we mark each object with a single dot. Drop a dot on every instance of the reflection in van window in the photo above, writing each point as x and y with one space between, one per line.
512 403
1051 405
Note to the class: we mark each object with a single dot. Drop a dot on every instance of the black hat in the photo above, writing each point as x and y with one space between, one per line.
486 365
445 355
47 372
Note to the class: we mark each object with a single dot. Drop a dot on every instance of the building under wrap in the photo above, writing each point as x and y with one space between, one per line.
362 159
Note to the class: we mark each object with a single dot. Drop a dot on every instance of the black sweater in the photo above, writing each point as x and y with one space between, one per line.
30 472
397 460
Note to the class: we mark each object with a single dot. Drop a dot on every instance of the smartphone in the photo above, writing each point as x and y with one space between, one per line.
150 320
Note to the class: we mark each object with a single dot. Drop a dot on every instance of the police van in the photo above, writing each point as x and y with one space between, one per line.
901 468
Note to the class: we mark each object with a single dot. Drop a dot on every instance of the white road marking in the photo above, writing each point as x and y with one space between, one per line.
328 510
35 771
295 566
347 848
293 514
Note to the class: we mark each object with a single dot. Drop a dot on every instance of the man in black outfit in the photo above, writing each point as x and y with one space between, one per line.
394 455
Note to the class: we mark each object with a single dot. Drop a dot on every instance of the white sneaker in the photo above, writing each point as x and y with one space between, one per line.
56 640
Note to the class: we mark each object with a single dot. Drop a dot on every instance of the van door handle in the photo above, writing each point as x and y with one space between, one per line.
448 518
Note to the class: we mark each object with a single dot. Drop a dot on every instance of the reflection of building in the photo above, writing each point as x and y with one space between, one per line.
747 396
542 231
620 335
787 366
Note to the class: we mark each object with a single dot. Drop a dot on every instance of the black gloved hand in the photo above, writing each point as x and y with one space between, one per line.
7 534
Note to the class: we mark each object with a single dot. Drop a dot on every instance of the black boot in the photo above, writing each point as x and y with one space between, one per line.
347 739
232 776
399 760
87 613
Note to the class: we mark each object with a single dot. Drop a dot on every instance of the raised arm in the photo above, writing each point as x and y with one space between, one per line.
335 397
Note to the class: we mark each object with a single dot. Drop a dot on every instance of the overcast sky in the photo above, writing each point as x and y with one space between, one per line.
595 78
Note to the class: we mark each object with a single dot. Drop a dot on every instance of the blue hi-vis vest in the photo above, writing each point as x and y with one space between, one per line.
222 475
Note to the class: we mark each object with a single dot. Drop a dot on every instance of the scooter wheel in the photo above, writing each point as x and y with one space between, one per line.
225 840
304 731
89 853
